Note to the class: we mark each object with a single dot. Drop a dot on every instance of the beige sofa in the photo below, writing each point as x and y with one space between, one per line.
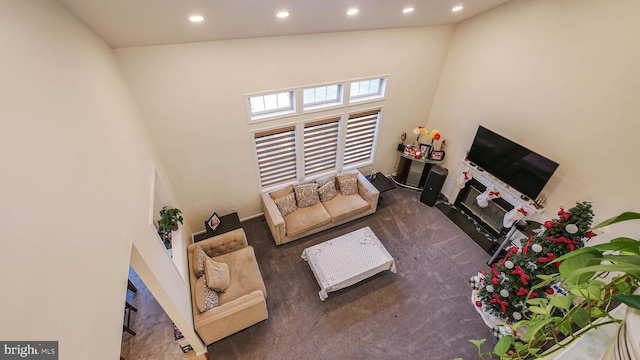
324 215
243 303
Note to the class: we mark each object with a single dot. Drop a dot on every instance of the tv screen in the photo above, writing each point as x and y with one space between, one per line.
519 167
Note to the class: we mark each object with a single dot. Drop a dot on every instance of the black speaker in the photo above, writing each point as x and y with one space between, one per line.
433 185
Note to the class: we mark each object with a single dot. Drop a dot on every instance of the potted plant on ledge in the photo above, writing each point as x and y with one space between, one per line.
169 219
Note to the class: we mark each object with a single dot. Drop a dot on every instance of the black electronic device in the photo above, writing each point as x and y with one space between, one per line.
433 185
521 168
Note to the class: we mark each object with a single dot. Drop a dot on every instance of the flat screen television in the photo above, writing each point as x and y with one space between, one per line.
522 169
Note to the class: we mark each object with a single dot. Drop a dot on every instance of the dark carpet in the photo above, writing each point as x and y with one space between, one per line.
424 311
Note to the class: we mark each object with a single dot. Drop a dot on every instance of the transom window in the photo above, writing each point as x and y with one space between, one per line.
271 104
321 96
369 89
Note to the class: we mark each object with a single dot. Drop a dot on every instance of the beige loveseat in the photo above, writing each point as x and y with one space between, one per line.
323 215
243 303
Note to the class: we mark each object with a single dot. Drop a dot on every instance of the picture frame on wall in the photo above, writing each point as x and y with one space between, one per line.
214 221
436 155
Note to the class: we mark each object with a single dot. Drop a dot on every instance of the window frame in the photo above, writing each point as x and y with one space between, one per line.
338 119
377 96
374 142
323 105
296 146
299 146
276 113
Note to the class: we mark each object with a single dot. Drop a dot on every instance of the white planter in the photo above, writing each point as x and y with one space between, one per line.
626 344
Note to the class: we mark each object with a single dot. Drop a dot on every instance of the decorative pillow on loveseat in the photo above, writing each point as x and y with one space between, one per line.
348 183
216 275
206 298
306 194
326 179
198 261
282 192
286 204
327 191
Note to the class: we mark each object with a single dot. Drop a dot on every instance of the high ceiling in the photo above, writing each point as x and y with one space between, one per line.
128 23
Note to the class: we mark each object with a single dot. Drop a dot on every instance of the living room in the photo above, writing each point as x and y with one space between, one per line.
87 127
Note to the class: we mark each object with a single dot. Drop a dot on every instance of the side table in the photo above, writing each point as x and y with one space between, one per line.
413 178
228 223
381 182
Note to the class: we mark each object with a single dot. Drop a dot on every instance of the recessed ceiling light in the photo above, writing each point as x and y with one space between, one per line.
407 10
352 11
196 18
457 8
282 14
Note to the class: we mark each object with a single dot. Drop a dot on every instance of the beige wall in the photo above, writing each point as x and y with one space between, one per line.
192 97
77 168
560 77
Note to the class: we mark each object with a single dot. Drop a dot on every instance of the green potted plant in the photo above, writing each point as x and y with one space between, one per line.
562 319
169 219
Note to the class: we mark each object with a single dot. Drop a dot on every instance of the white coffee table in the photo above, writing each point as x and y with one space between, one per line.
347 259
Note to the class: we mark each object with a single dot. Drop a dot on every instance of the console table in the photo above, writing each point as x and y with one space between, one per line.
228 223
412 172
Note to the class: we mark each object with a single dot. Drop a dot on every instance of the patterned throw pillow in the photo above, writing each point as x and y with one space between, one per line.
327 191
307 194
323 180
286 204
198 261
282 192
348 186
217 275
206 298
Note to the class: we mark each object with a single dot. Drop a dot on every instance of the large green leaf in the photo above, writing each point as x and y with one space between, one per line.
576 275
520 349
623 259
580 317
478 342
503 345
593 290
584 250
596 312
537 326
622 244
537 310
561 301
622 217
547 279
569 267
565 327
631 300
